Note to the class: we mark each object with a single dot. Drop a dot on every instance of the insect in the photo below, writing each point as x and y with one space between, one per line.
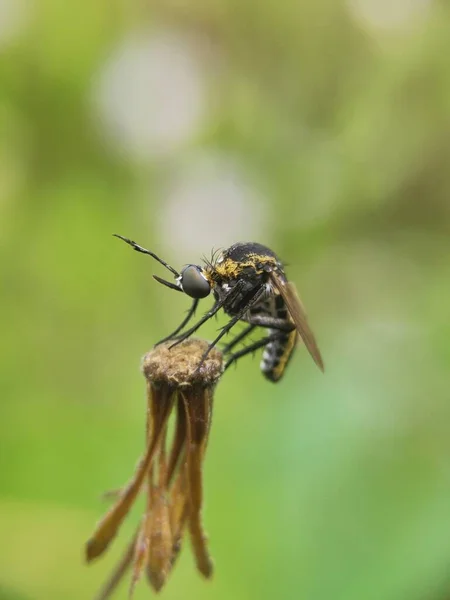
248 282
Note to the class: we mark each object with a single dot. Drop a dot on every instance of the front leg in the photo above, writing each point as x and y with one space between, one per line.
188 317
216 307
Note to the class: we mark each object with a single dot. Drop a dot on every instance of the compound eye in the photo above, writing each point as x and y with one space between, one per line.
194 283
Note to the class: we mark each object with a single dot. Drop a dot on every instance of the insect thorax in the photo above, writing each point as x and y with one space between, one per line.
250 283
248 264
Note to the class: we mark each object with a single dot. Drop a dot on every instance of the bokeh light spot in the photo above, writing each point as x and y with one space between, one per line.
150 94
211 202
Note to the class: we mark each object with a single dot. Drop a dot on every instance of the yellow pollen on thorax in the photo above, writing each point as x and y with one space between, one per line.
231 269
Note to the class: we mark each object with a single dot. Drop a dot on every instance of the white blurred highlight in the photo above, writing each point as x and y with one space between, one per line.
388 15
211 203
150 95
14 16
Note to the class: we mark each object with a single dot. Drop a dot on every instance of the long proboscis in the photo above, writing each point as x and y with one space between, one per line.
139 248
168 284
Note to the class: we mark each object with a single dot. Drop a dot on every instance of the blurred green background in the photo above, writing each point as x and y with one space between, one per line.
317 127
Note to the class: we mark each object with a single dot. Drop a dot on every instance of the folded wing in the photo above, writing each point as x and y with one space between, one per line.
298 315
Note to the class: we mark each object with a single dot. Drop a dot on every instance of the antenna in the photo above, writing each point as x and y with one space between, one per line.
144 251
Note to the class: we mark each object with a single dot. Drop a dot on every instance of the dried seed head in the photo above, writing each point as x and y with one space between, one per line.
178 367
180 377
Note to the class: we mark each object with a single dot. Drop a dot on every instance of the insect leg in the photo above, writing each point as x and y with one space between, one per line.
238 338
216 307
188 317
249 349
256 298
271 322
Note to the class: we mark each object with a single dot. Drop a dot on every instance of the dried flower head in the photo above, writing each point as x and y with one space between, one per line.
171 474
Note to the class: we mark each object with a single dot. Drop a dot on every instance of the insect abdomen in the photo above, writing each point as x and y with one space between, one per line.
277 354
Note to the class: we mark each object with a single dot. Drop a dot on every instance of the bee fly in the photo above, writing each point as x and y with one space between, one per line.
248 282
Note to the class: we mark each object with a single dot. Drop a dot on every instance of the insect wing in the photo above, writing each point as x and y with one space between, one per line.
298 315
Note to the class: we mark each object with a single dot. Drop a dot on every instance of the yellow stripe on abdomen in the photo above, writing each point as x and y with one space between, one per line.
274 364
